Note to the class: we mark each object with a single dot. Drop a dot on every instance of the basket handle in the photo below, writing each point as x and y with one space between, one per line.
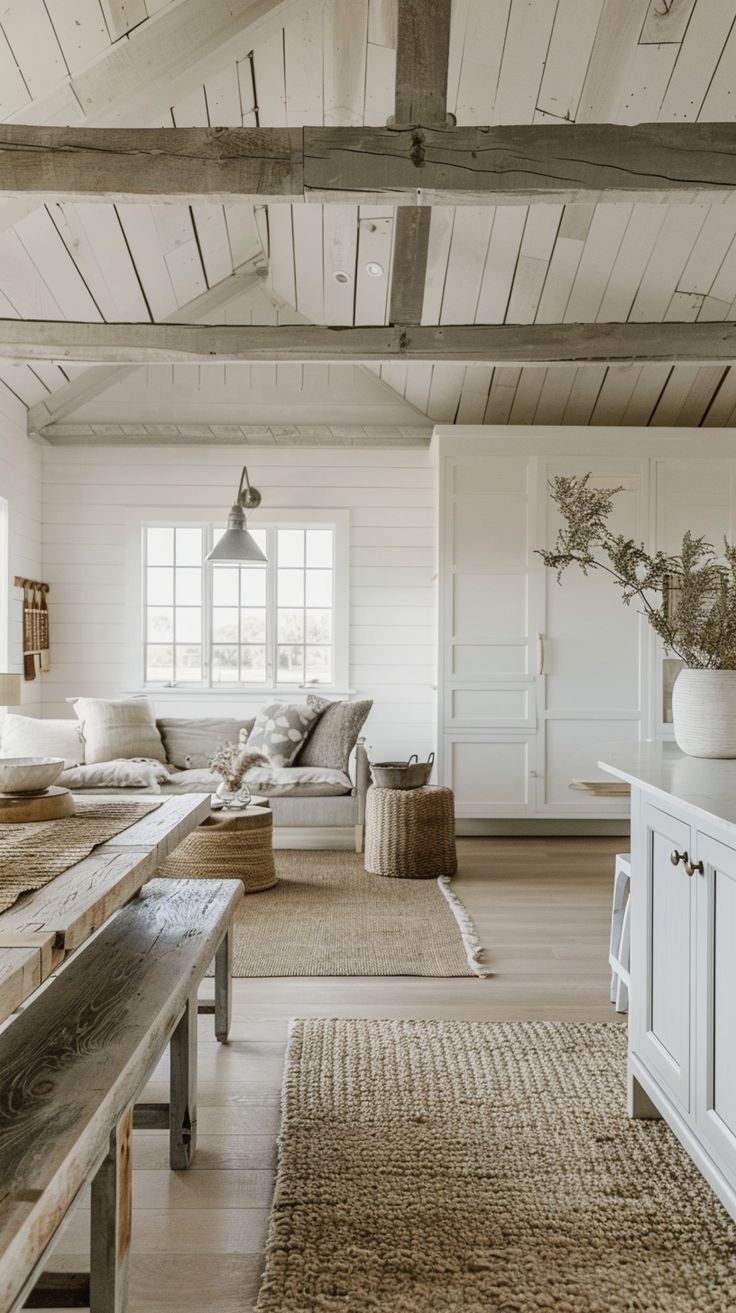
430 759
412 758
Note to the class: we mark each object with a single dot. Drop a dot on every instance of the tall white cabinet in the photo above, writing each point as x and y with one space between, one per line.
536 679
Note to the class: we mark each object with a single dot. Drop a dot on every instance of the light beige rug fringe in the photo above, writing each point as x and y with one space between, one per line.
473 947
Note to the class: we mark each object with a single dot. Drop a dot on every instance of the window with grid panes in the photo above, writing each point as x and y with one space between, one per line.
227 625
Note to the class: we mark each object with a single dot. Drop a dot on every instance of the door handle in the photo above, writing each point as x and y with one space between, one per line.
692 867
540 654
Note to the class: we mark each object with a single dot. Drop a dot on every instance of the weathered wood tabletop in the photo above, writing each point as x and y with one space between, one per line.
46 926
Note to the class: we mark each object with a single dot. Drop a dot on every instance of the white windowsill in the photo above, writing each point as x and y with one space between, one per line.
237 690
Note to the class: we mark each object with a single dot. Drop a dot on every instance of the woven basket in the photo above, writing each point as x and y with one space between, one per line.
411 774
227 848
410 833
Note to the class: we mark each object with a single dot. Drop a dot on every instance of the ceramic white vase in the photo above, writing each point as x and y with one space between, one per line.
704 712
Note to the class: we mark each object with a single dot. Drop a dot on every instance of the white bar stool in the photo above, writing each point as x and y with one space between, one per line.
619 953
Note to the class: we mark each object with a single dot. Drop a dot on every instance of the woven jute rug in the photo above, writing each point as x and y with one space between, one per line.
470 1167
31 855
328 917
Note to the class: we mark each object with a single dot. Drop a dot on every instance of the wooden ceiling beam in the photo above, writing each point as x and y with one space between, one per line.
422 55
701 343
399 165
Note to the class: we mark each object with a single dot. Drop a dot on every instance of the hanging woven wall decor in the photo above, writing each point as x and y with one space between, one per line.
36 643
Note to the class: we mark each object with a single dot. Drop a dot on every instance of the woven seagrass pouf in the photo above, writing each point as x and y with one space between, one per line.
234 847
410 833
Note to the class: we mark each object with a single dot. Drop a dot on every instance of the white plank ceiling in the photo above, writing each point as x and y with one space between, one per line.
332 62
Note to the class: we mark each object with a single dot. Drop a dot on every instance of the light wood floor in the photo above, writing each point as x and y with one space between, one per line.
541 907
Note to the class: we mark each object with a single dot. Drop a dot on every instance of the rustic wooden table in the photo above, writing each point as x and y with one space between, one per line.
44 927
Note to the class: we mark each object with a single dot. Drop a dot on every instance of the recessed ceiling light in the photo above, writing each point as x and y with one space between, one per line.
340 276
375 270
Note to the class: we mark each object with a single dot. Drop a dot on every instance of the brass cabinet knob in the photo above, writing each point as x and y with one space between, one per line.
676 857
692 867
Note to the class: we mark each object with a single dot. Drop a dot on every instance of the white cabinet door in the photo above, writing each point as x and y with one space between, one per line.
591 685
664 941
487 644
491 775
715 1097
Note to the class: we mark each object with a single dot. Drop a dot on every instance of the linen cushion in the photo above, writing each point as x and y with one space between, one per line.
335 734
121 774
118 727
269 782
280 731
191 744
25 736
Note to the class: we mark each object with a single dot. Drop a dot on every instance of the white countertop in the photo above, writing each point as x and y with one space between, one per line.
707 786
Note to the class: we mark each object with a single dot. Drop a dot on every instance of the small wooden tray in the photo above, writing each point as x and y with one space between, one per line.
49 806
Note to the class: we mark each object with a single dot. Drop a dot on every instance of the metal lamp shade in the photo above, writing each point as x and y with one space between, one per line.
236 544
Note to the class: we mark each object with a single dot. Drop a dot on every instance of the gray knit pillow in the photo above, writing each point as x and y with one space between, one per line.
280 731
335 734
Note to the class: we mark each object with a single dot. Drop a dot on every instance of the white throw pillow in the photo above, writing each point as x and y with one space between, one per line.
280 730
26 736
115 728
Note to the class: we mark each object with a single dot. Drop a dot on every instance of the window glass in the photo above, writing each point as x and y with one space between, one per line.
232 624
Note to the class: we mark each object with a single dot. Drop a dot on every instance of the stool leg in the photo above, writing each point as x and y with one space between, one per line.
617 910
223 988
624 957
111 1209
183 1087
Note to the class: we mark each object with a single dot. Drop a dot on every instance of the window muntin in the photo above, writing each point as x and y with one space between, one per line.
239 626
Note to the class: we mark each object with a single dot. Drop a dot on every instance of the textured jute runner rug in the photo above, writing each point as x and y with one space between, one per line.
470 1167
328 917
31 855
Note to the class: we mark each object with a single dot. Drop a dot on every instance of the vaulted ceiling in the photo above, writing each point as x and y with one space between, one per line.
241 62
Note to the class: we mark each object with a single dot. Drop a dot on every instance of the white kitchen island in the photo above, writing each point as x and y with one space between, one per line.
682 1009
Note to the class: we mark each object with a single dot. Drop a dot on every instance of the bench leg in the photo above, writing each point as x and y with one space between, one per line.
223 988
359 838
110 1224
183 1088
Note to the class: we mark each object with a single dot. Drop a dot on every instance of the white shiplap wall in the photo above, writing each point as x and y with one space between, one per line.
91 499
20 486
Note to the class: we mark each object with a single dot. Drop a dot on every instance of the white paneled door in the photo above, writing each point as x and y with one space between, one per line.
590 669
489 701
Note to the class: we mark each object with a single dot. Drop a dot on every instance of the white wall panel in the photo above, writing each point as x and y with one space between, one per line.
20 486
93 501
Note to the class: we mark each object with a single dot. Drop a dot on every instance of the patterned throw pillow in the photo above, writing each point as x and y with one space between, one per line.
336 734
280 730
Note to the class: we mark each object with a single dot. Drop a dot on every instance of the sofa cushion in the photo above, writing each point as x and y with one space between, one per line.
115 728
298 781
269 782
192 743
121 774
280 730
26 736
336 733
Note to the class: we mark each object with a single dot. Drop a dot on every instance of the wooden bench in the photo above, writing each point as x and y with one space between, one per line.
72 1064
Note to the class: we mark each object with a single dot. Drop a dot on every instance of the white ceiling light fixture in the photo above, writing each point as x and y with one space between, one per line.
236 544
341 276
374 269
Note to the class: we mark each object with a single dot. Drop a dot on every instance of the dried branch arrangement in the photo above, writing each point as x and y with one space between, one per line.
233 763
698 623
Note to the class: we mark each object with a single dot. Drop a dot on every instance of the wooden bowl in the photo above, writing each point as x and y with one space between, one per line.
29 774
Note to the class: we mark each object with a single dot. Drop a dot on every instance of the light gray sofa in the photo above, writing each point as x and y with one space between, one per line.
296 797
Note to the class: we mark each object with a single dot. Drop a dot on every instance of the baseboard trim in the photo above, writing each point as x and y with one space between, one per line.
343 837
523 826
